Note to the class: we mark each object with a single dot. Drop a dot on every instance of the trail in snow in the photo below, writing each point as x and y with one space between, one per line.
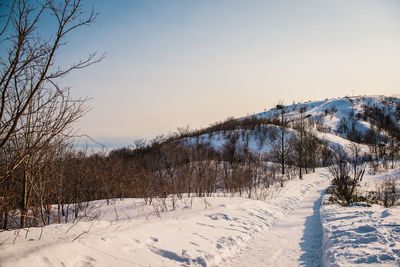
295 241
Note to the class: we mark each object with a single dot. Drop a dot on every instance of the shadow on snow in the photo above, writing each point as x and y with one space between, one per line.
311 242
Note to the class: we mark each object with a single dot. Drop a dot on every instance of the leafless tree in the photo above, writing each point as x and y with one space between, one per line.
312 151
29 70
299 140
36 114
281 147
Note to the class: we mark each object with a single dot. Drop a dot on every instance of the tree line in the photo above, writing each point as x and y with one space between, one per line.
59 182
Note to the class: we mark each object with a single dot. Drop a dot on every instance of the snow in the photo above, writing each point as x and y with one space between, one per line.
255 141
295 240
336 141
344 106
129 233
286 227
360 234
315 111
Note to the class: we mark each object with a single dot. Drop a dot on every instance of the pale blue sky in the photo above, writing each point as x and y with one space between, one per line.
174 63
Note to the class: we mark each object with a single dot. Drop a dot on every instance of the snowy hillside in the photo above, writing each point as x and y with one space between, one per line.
330 111
338 121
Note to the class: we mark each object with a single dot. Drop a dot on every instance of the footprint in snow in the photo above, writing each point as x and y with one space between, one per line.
154 239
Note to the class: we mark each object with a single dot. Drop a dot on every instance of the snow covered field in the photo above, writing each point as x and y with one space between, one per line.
129 233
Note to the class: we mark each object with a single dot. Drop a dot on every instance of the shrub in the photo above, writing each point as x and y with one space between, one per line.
389 193
346 178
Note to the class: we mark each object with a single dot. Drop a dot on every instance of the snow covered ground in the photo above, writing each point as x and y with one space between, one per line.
288 228
294 241
362 235
130 233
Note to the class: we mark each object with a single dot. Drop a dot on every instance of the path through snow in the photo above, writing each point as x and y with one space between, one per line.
295 241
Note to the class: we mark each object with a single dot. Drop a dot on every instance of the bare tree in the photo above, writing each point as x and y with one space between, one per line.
36 114
312 151
281 147
29 68
393 146
299 141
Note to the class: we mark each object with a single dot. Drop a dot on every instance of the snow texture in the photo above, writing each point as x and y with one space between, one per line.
361 235
296 240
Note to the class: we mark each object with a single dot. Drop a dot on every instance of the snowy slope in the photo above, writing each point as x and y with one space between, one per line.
260 141
326 115
337 107
331 111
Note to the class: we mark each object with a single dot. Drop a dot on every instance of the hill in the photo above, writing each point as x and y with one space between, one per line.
365 120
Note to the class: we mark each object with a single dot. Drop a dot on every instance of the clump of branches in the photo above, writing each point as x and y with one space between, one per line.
347 173
36 114
386 193
389 193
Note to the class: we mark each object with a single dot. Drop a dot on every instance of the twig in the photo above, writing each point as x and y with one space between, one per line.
85 232
16 235
116 214
4 241
73 225
129 218
27 231
117 228
41 231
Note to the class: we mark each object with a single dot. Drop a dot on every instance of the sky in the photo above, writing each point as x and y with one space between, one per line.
175 63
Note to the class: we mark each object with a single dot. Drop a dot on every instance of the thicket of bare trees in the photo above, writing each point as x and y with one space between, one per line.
36 114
